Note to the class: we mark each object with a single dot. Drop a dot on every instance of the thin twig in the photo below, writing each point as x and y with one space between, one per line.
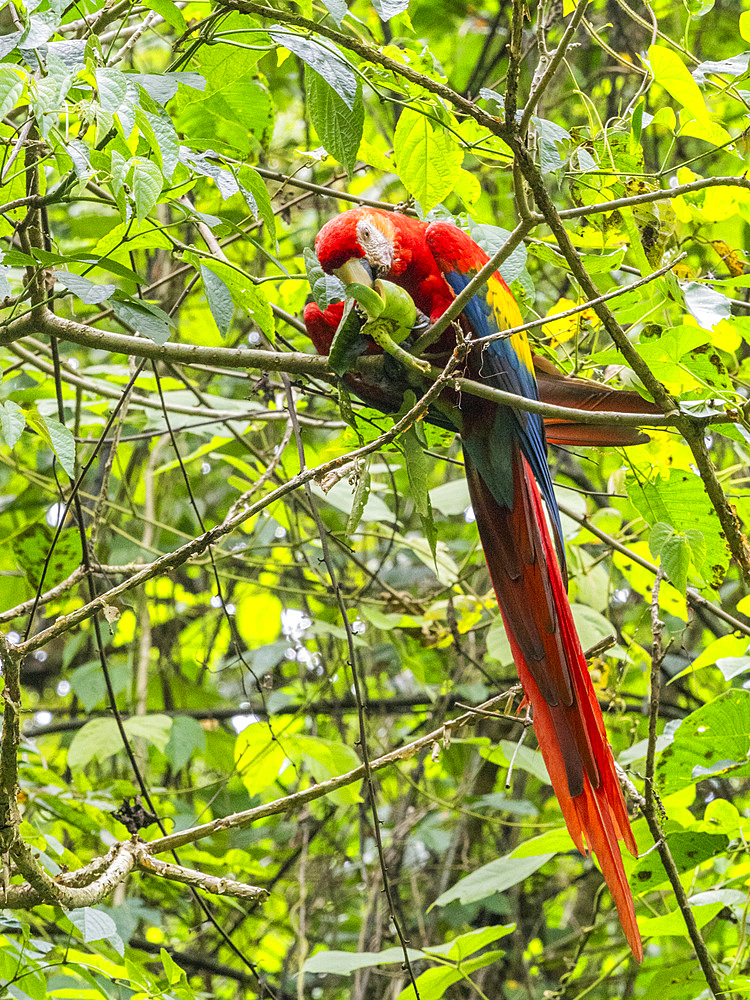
657 658
649 809
554 61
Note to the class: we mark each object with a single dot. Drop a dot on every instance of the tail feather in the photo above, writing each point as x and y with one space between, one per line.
555 678
581 394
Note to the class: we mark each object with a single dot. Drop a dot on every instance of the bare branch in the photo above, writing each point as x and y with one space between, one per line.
247 817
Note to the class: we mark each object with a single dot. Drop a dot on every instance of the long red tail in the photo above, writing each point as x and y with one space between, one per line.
553 672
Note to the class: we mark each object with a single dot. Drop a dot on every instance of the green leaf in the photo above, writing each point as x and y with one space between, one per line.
594 263
428 158
670 72
338 126
683 359
86 290
326 288
90 686
100 739
340 496
175 975
12 422
31 547
728 652
675 558
60 440
673 924
712 740
591 626
417 469
523 757
688 849
159 130
255 193
550 134
327 759
97 740
467 944
324 59
681 502
361 495
698 8
9 41
149 322
245 295
348 343
491 239
94 924
153 729
432 984
660 533
697 545
112 85
162 87
146 184
677 981
236 110
260 758
170 12
48 95
343 963
498 646
451 498
186 738
12 79
219 299
497 876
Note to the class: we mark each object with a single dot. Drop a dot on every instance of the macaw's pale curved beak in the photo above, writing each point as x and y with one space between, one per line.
356 269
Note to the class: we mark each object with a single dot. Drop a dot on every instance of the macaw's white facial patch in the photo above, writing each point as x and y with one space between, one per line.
377 247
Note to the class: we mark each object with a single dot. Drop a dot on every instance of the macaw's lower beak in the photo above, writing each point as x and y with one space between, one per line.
356 269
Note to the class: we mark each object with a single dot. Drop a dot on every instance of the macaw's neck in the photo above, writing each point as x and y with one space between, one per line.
415 270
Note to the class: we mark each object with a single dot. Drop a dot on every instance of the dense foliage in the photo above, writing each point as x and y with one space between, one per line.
195 619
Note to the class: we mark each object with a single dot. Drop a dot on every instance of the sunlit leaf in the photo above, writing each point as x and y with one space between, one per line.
427 156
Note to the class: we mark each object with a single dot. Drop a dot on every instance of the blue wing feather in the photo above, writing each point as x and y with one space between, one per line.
503 367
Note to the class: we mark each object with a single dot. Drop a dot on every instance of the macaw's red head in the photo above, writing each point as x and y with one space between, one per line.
366 243
362 239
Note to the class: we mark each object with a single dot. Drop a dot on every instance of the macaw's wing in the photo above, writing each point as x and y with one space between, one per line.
581 394
553 387
492 432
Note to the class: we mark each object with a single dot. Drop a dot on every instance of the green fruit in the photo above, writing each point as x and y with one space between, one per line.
398 307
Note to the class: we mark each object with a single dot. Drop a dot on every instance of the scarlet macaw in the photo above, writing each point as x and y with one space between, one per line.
508 475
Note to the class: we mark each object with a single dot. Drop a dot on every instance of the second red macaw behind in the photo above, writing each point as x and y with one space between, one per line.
508 475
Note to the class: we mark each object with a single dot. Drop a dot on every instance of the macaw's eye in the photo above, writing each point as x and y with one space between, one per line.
366 233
